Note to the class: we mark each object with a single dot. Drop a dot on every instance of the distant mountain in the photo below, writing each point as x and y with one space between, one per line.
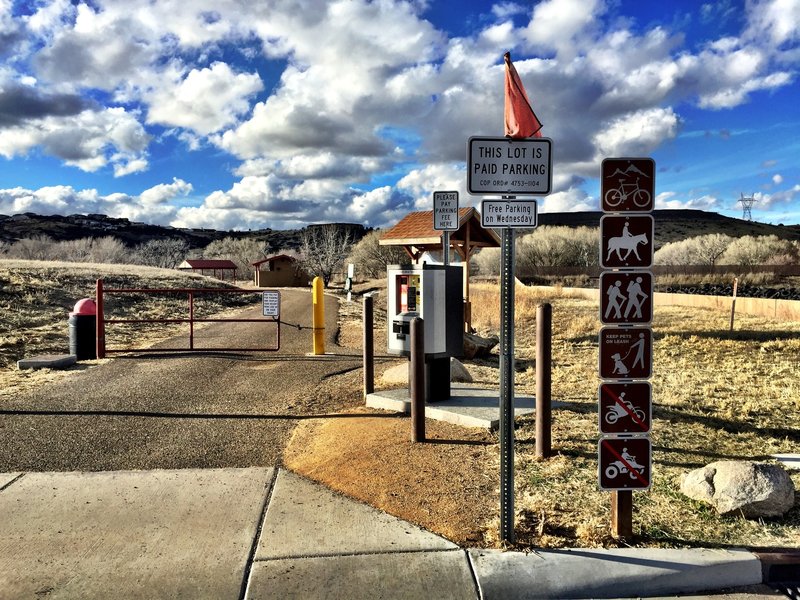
670 226
678 224
74 227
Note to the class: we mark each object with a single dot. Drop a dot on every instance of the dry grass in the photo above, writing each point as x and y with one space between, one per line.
36 298
716 396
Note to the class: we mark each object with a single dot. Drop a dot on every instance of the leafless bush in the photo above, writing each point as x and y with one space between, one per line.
699 250
243 252
556 246
760 250
487 261
38 247
166 253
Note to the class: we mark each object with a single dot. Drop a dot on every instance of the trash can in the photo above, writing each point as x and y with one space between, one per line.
83 330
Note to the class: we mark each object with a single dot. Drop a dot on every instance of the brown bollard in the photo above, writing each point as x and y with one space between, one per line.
544 354
369 347
417 380
622 513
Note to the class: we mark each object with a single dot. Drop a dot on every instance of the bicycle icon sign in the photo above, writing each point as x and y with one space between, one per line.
627 184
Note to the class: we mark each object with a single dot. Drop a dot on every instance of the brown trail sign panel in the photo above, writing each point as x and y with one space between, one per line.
624 463
626 297
626 353
626 241
625 408
628 184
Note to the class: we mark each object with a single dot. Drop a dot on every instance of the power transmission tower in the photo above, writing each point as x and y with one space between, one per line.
747 205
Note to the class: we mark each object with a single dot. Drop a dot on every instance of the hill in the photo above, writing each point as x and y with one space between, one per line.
676 225
671 226
130 233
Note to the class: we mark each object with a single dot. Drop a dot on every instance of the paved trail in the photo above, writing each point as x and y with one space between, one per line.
178 411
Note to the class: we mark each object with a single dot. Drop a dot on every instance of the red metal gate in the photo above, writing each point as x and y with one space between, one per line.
191 319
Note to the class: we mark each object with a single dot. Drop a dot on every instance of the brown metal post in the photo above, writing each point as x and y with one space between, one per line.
622 513
191 321
733 302
544 419
417 380
100 320
369 347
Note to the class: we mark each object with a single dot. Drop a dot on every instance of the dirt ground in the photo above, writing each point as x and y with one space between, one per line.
448 485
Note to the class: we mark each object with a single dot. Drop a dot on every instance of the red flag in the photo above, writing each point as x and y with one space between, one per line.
521 122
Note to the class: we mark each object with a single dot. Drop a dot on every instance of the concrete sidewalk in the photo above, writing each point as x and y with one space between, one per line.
268 533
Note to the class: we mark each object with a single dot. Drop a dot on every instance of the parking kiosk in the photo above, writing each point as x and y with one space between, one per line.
434 294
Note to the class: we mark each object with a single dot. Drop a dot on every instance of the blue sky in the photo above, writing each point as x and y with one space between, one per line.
237 115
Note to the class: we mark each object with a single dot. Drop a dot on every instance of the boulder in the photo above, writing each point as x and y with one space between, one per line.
741 487
398 375
476 346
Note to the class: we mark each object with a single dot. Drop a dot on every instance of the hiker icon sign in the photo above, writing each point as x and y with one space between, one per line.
626 297
626 241
626 353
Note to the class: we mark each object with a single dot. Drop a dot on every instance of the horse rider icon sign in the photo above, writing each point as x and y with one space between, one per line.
626 241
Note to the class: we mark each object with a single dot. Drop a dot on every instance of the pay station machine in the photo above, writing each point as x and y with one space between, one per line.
433 293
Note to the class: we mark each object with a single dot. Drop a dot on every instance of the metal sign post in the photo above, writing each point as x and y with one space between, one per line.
507 386
508 167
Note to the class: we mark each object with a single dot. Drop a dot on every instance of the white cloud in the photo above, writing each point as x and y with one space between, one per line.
205 101
363 92
638 133
89 140
777 179
164 192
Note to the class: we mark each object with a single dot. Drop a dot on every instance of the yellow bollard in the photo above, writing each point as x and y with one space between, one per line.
318 320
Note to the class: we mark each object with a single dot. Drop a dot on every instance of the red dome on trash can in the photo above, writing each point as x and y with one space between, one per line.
86 306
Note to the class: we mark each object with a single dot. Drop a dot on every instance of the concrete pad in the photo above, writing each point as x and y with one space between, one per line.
6 478
131 534
307 519
48 361
468 406
616 573
789 461
414 575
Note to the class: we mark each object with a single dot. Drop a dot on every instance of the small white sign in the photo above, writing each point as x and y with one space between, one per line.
445 211
351 270
497 214
271 304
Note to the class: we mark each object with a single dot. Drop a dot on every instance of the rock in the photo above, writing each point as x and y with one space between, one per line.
398 375
476 346
741 487
458 372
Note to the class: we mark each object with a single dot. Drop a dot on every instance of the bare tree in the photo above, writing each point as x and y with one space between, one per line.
242 251
370 258
166 253
323 249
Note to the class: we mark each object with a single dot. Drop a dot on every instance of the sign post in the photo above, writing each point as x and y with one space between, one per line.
445 218
508 167
626 339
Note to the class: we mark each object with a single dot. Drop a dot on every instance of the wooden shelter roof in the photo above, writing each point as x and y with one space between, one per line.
207 263
271 259
416 229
